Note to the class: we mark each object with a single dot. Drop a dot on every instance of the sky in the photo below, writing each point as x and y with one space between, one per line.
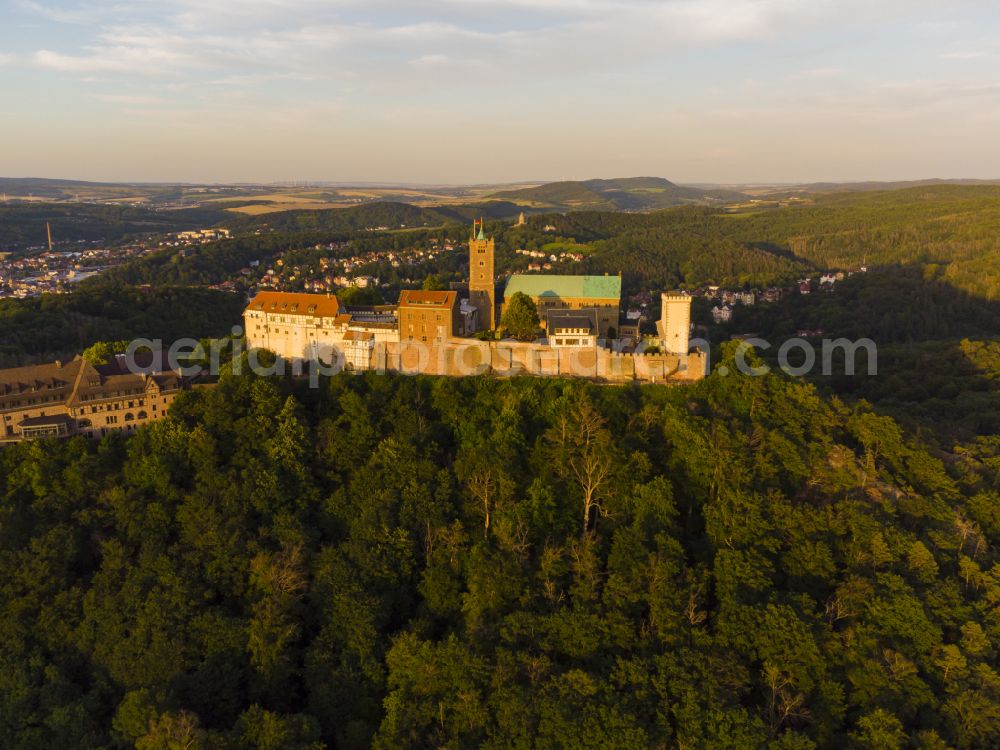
490 91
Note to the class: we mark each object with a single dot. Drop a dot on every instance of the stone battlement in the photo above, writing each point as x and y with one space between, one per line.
468 357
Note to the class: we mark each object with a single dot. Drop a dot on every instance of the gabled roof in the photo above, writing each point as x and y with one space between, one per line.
558 322
420 298
565 287
44 374
47 377
293 303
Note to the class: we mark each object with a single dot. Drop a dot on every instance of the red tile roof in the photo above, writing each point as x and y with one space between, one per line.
420 298
290 303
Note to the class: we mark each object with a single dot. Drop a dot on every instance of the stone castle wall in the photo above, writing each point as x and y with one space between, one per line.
460 358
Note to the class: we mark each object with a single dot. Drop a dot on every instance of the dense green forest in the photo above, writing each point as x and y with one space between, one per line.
953 229
942 390
50 326
416 562
890 305
933 372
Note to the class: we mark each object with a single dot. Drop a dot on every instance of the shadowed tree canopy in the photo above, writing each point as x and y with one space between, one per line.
414 562
433 283
520 317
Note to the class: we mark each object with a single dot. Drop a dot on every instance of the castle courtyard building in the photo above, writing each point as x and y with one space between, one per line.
294 326
596 297
568 328
429 317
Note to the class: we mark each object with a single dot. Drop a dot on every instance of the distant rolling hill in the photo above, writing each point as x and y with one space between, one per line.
40 189
625 194
388 214
873 186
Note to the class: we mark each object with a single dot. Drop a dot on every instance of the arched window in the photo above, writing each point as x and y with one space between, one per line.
142 415
129 417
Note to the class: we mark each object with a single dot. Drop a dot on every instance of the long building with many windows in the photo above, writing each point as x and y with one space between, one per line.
310 326
77 398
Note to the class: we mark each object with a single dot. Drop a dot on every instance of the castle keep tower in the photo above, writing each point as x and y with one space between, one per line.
482 290
675 322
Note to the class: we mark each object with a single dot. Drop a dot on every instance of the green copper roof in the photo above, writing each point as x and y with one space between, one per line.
585 287
481 235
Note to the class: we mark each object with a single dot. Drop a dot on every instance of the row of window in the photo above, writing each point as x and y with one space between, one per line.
111 394
298 320
112 407
94 409
112 419
557 302
45 431
34 401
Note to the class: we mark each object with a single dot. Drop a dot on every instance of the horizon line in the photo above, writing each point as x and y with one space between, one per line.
485 184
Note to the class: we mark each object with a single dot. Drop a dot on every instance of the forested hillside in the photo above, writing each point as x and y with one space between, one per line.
24 225
381 214
953 229
413 562
930 337
949 232
630 194
890 305
51 326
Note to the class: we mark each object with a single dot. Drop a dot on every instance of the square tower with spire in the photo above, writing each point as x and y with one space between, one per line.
482 287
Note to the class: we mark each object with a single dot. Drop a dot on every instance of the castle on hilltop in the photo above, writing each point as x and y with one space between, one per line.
435 332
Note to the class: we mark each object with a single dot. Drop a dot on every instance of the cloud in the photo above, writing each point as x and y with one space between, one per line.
921 93
968 55
83 14
400 71
131 99
814 73
537 37
147 59
7 58
432 60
